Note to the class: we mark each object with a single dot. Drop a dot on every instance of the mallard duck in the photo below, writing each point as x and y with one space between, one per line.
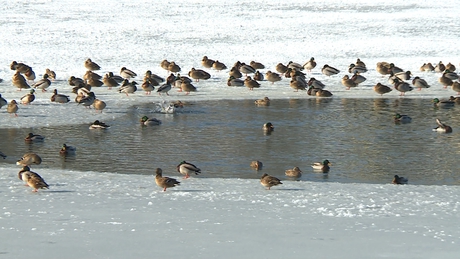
402 118
256 65
294 172
32 179
246 69
440 67
232 81
257 165
394 69
445 81
90 65
356 69
269 181
74 81
150 122
34 138
30 75
442 127
2 155
348 82
88 100
186 169
399 180
451 67
173 67
19 81
272 77
310 64
454 99
164 181
164 88
322 166
403 87
455 87
59 98
315 83
268 127
43 83
99 105
263 102
127 73
3 101
427 67
51 74
250 83
128 87
357 78
157 80
29 159
259 76
323 93
13 108
67 150
28 98
219 65
198 74
281 68
98 125
443 103
383 68
420 83
382 89
91 75
329 71
235 72
297 84
165 64
147 86
207 62
19 67
187 87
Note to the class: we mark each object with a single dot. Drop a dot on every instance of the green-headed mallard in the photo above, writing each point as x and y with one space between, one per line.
164 181
294 172
59 98
43 83
442 127
232 81
29 159
310 64
67 150
127 73
186 169
401 118
443 103
268 127
322 166
28 98
32 179
34 138
329 71
420 83
150 121
269 181
98 125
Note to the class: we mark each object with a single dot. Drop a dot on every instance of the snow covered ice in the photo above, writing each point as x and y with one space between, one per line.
103 215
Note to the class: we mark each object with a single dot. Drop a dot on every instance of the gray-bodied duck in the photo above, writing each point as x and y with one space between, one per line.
146 121
59 98
402 118
31 137
28 98
322 166
443 128
98 125
187 169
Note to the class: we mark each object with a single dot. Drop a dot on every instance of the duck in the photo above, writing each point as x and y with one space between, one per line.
127 73
246 69
256 65
353 68
88 100
148 87
164 88
51 74
310 64
450 74
454 99
94 82
427 67
294 172
28 98
3 101
187 87
268 127
19 67
455 87
99 105
232 81
382 89
443 103
322 166
348 82
165 64
30 75
19 81
128 87
43 83
207 62
402 118
91 66
399 180
75 81
294 66
157 80
315 83
98 125
297 84
323 93
263 102
67 150
440 67
281 68
32 179
403 87
357 78
59 98
91 75
394 69
250 83
272 77
234 72
442 127
256 164
150 122
187 169
383 68
173 67
198 74
420 83
269 181
13 108
445 81
451 67
164 181
34 138
28 159
329 71
2 155
219 65
258 76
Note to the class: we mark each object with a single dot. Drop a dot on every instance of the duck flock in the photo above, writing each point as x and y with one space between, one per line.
239 75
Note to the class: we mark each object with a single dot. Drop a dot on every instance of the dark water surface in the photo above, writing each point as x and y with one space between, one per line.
222 137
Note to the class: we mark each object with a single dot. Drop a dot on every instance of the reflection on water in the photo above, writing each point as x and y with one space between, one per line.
222 137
